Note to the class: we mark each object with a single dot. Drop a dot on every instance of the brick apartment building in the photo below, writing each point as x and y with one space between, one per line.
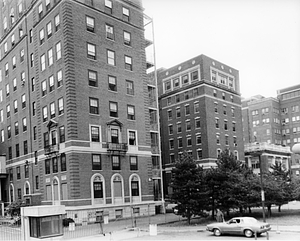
74 106
272 125
200 112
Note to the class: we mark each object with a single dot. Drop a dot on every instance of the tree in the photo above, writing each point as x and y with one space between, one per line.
14 208
188 186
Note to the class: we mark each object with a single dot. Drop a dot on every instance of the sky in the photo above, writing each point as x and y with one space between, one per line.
260 38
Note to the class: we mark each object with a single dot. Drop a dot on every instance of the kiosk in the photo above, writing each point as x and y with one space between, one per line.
42 222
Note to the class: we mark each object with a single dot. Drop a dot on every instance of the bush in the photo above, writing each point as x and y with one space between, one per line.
67 221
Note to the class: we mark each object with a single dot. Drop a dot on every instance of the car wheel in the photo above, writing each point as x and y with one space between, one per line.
248 233
217 232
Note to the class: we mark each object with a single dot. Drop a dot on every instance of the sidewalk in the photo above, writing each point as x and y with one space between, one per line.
122 230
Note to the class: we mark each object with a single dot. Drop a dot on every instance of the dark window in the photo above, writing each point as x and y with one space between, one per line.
94 106
114 135
62 137
25 147
34 133
133 163
116 165
95 134
17 150
63 162
113 109
18 173
54 165
112 83
26 170
91 51
47 166
135 188
46 139
127 38
98 189
132 138
93 79
130 112
129 87
96 162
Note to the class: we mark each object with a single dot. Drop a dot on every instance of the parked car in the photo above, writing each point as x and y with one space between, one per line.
170 207
247 226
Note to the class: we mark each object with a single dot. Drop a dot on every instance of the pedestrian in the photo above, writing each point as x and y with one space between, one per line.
219 216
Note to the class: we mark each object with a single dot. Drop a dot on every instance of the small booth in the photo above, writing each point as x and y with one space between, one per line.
42 222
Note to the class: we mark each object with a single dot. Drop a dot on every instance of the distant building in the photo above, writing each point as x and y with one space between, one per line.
274 124
200 112
74 106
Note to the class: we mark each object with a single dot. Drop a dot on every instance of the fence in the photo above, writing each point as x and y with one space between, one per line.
10 229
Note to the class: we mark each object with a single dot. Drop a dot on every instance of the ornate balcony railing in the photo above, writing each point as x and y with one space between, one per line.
51 149
120 147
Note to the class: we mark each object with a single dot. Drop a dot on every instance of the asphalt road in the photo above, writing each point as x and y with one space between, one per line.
290 236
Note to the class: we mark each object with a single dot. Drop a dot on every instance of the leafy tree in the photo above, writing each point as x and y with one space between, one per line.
188 186
14 208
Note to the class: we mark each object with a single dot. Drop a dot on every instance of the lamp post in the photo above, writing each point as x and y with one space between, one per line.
262 187
296 148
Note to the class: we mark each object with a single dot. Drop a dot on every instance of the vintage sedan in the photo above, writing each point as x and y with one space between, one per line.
247 226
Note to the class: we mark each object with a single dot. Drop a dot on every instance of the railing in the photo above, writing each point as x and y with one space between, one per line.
51 149
252 147
123 147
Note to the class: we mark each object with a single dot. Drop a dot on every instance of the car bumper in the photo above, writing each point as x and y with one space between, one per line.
264 230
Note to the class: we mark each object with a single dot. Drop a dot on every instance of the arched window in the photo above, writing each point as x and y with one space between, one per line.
117 189
135 188
26 188
56 191
98 187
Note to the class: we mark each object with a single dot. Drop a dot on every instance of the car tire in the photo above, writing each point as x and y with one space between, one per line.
217 232
248 233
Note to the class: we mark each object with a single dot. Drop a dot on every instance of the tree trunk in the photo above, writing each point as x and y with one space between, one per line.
269 211
241 210
249 208
279 208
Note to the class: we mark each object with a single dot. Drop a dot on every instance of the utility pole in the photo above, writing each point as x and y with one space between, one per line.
262 188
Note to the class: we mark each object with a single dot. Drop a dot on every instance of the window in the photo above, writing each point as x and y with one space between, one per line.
126 14
95 134
90 24
108 6
49 30
22 54
129 87
58 50
178 113
91 51
23 78
12 39
94 106
111 57
199 154
226 140
5 47
59 78
40 11
62 136
233 126
223 96
128 63
57 22
127 38
113 109
16 128
224 109
45 114
225 125
2 136
169 114
7 90
24 121
50 57
218 138
133 163
176 82
194 75
47 166
51 83
30 36
215 93
188 125
14 65
42 36
198 139
189 141
116 165
43 62
185 79
109 32
130 112
18 173
31 60
187 110
23 100
54 165
112 83
17 150
96 162
179 142
8 111
60 106
6 69
132 138
32 84
37 182
197 123
217 123
196 107
44 88
52 110
63 162
15 106
9 133
93 78
114 135
170 127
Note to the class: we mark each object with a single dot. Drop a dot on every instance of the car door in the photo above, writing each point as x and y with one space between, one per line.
234 226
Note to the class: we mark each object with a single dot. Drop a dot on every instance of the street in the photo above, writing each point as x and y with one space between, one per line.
204 235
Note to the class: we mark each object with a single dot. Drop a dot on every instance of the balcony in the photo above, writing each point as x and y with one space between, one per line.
254 147
51 150
116 147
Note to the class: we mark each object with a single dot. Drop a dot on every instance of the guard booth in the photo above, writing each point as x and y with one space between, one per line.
42 222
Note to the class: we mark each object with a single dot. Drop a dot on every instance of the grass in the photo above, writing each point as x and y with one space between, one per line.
284 218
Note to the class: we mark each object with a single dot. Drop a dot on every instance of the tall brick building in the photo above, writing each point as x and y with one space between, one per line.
273 125
77 126
200 111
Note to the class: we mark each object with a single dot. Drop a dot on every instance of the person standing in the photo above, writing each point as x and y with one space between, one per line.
219 216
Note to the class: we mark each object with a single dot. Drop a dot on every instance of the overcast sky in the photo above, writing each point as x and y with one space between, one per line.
260 38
